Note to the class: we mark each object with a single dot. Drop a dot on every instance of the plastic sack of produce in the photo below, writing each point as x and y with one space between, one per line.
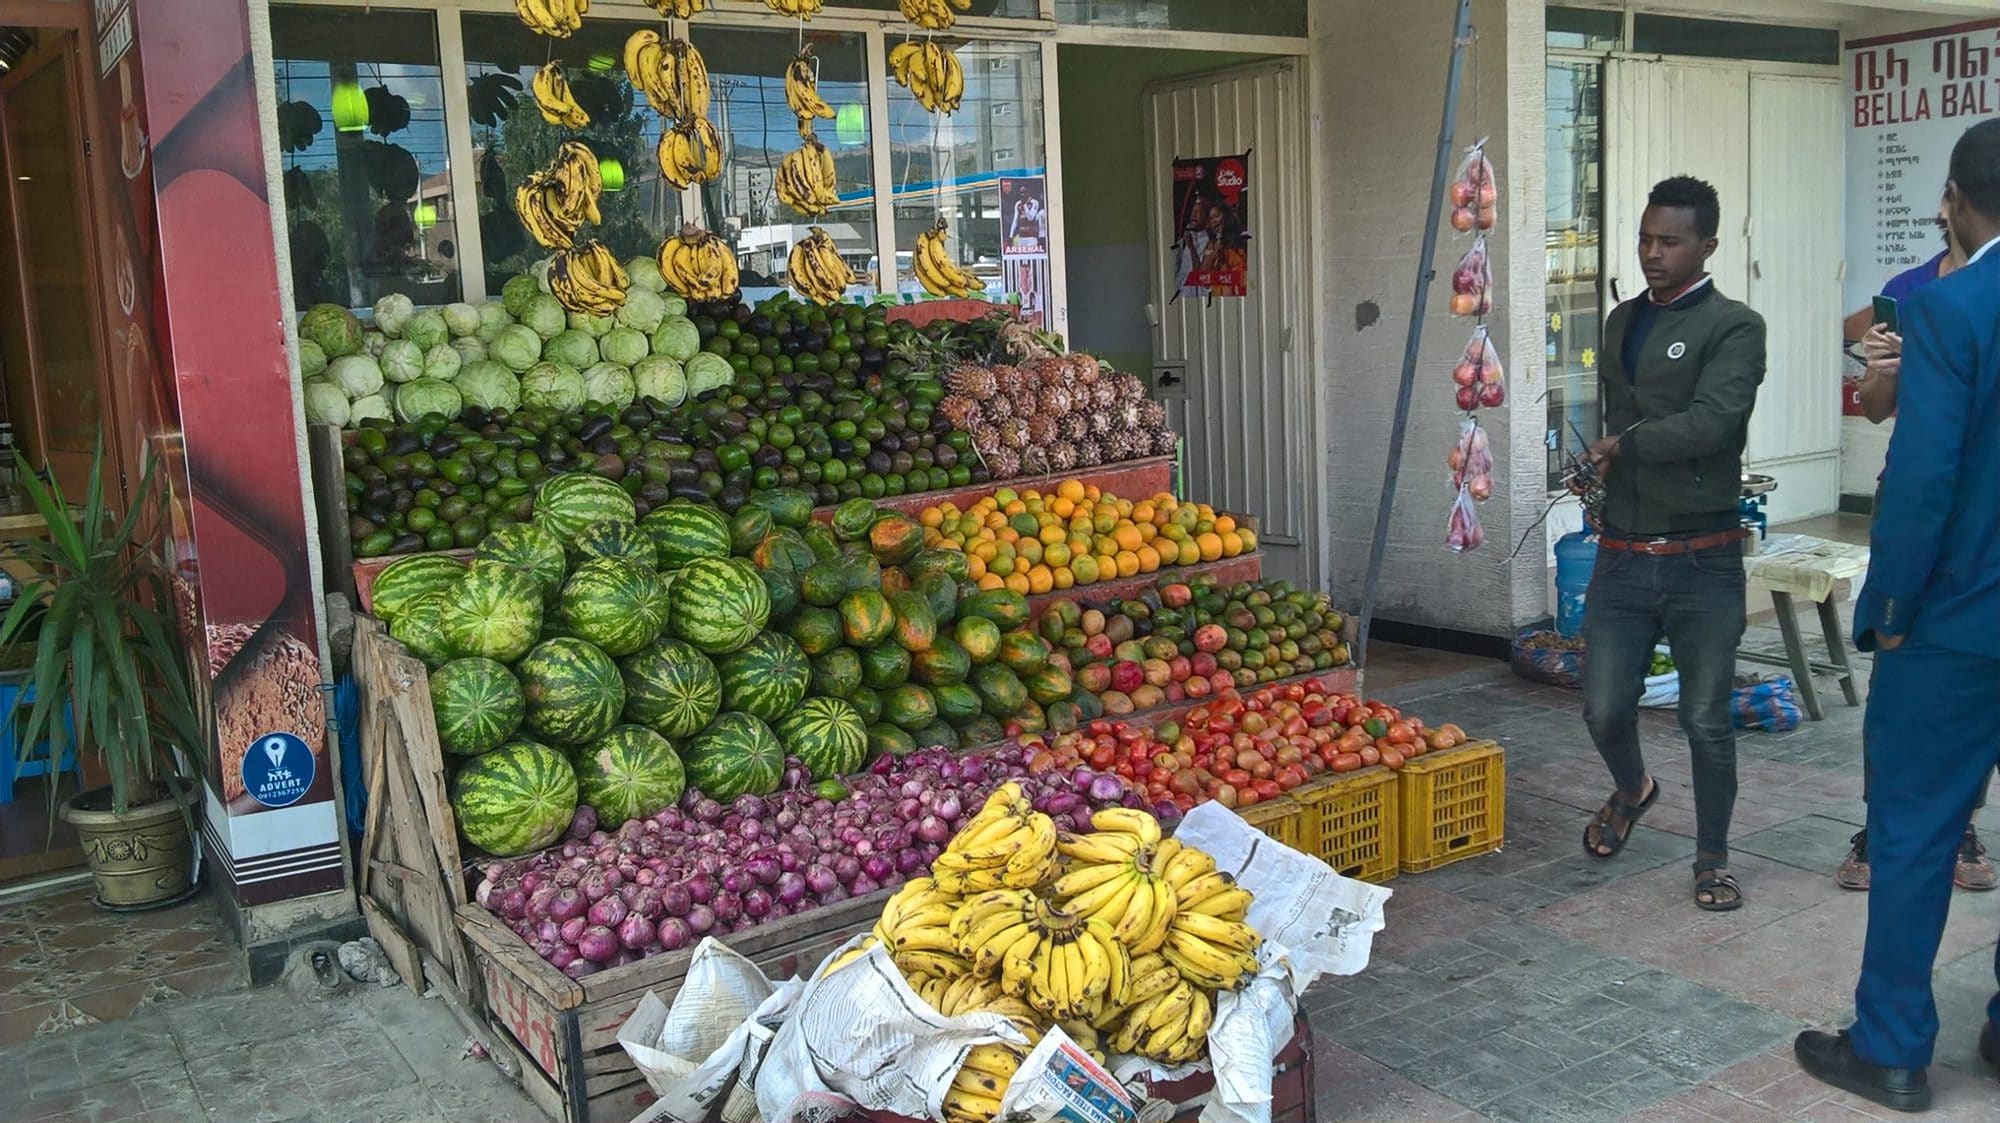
1464 532
1471 461
1475 192
1480 378
1770 704
708 1046
1472 282
1663 684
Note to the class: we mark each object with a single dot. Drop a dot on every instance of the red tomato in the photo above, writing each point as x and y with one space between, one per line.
1101 757
1392 758
1266 789
1346 762
1370 755
1235 777
1225 795
1400 733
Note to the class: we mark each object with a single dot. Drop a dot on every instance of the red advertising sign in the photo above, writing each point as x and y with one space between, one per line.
1212 226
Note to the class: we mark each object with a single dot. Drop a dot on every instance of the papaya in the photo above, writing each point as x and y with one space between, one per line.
837 673
909 706
748 527
1088 706
867 703
1048 685
784 591
937 734
1004 607
789 506
885 738
783 549
823 583
979 637
895 539
942 595
1064 716
916 628
817 630
981 730
938 563
1031 718
866 618
864 574
820 540
1023 652
945 663
1000 690
957 703
885 667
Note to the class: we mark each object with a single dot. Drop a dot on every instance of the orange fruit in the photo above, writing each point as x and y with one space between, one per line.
1064 579
1041 579
1149 559
1058 554
1127 537
1224 524
1071 490
1128 564
1211 546
1232 544
931 518
1249 538
1018 582
1190 553
989 582
1063 507
975 568
1085 568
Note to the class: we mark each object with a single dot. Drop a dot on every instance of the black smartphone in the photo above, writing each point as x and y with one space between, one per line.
1885 314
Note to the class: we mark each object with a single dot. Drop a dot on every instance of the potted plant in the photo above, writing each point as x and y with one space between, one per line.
109 679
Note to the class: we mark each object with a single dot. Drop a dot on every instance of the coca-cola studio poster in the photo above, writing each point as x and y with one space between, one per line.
1212 226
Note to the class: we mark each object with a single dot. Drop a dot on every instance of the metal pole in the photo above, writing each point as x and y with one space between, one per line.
1447 134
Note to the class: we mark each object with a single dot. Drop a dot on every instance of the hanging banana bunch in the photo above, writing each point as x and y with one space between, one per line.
797 9
555 99
805 180
930 72
691 153
936 271
698 265
553 18
588 280
933 15
802 92
671 73
555 201
818 271
678 9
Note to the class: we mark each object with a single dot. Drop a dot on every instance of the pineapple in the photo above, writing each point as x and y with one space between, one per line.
1082 368
997 408
960 410
1008 381
1089 453
1152 414
1051 372
1005 464
985 438
1034 462
1014 433
976 383
1074 427
1100 425
1103 395
1165 441
1062 458
1041 431
1130 389
1127 415
1055 401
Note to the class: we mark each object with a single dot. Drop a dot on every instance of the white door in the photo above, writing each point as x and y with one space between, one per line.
1232 370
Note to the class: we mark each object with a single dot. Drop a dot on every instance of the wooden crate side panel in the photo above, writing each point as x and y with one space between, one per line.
329 480
537 1028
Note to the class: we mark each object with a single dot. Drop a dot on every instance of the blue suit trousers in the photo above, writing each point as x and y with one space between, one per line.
1922 789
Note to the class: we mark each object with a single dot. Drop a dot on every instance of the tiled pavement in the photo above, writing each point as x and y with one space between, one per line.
1532 984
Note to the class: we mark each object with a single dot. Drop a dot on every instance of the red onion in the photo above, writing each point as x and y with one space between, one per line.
597 944
736 881
572 929
513 902
834 895
763 868
533 880
863 886
820 880
675 934
912 860
796 776
700 920
484 894
583 822
701 888
750 806
648 902
581 968
875 868
778 912
565 904
594 886
846 867
707 810
948 808
622 958
930 828
1106 787
608 912
562 957
728 907
791 889
756 903
787 818
568 876
635 932
674 900
548 932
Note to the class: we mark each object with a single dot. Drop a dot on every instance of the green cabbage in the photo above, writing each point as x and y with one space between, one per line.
461 319
392 312
644 273
374 406
677 338
332 327
312 359
624 346
518 346
493 316
488 385
545 314
643 309
661 379
675 305
426 396
402 360
553 387
593 326
426 329
608 384
708 371
573 347
470 349
443 361
325 403
356 375
372 343
516 293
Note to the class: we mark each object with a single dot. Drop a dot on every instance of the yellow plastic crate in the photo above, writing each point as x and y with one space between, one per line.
1279 818
1454 805
1350 823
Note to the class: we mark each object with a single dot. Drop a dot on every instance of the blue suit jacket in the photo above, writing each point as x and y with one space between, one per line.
1934 570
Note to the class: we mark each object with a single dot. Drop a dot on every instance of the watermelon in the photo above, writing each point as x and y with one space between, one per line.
1002 692
566 504
884 738
517 798
683 531
718 605
477 703
789 506
945 663
884 667
420 628
909 707
613 538
979 637
837 673
573 691
916 625
736 755
406 579
494 611
827 736
817 630
528 547
866 617
613 604
766 678
748 527
629 773
672 689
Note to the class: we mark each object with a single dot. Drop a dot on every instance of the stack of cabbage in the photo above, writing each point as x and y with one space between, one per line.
522 349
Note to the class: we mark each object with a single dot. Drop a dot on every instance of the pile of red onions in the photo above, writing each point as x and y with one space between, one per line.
700 868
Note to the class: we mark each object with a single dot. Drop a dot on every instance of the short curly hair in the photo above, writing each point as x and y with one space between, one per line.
1975 167
1685 192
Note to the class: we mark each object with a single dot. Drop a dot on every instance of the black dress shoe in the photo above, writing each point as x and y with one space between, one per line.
1830 1057
1989 1047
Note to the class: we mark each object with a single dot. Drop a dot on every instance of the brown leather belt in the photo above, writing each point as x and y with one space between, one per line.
1660 547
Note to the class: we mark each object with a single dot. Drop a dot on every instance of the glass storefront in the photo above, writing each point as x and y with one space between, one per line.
1575 320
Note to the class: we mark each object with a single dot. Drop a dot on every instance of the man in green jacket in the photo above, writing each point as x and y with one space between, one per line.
1681 367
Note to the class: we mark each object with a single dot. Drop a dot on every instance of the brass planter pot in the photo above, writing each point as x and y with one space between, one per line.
142 858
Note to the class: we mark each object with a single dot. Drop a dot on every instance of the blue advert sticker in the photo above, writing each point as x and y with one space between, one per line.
278 770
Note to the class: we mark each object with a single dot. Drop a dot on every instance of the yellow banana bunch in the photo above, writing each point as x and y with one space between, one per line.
797 9
1008 845
554 99
805 179
1127 895
930 72
937 272
1212 953
1213 894
556 200
670 72
848 956
1170 1026
553 18
690 73
974 1095
678 9
802 92
588 280
1078 966
818 271
933 15
698 265
690 153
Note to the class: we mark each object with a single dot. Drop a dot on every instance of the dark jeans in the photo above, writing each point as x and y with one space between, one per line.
1696 602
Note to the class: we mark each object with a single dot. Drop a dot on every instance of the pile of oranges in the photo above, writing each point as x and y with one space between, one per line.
1034 542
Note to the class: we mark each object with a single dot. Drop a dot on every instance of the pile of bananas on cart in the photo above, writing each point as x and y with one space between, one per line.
1121 937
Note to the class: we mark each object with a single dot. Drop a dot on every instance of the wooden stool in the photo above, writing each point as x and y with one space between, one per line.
1789 565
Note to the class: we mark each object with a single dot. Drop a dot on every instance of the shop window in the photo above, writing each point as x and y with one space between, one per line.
1584 29
980 9
510 138
758 132
367 182
1574 227
1244 17
1676 35
960 166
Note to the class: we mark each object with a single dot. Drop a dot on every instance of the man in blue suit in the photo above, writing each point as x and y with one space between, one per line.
1931 611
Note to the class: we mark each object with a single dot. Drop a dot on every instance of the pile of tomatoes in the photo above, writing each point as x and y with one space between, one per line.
1240 751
